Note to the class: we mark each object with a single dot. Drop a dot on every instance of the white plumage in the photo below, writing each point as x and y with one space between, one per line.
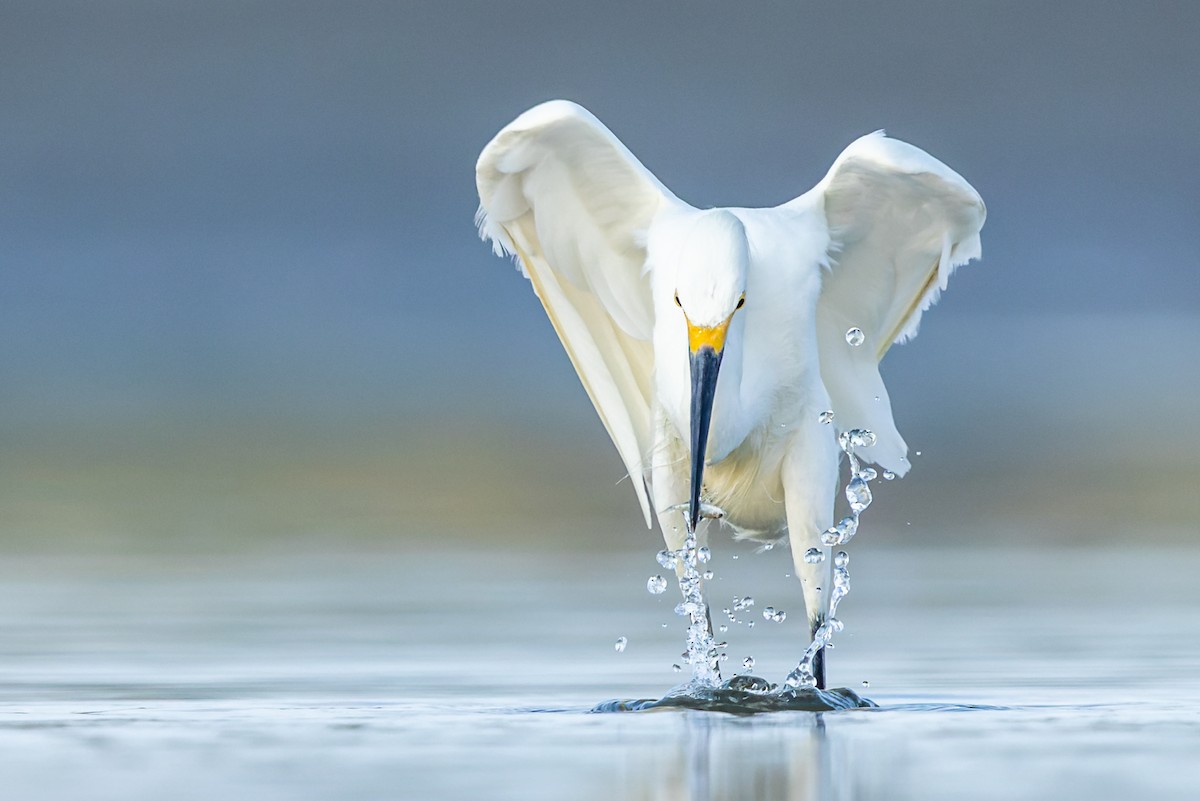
630 275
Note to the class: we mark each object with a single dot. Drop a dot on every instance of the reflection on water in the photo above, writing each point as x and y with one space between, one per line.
715 760
999 674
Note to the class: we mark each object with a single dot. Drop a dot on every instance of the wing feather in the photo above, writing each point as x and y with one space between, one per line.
560 192
900 222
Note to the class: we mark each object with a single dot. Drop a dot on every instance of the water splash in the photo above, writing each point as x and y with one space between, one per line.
858 495
703 653
746 695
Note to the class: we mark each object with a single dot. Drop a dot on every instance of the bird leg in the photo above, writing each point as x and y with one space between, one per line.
685 545
701 651
818 668
810 476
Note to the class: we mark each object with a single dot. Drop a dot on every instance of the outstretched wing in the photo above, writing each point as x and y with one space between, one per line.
563 195
900 222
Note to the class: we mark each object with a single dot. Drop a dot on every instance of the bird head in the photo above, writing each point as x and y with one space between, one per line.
710 288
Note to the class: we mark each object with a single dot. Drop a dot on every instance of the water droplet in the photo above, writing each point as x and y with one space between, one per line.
867 474
888 475
748 663
769 613
735 556
779 616
704 554
676 668
664 625
707 574
750 624
667 559
686 608
847 527
621 643
866 683
825 417
918 453
814 556
841 559
862 438
656 585
858 494
831 536
742 603
855 337
723 628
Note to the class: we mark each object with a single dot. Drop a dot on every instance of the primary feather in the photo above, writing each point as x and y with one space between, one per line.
561 193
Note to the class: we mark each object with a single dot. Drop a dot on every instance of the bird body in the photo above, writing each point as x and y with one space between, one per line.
713 342
770 373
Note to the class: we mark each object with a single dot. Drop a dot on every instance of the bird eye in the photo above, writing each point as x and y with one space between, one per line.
741 302
677 303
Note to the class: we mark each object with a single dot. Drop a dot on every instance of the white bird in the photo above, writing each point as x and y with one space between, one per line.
712 340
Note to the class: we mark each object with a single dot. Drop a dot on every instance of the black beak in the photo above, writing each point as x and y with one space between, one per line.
706 362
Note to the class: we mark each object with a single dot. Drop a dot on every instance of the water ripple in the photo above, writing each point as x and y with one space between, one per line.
745 695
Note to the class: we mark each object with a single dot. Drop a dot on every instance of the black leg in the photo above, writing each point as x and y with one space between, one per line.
819 669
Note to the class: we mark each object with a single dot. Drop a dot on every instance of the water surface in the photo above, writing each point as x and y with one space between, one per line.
1028 673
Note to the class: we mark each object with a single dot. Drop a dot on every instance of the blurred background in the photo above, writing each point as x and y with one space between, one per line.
242 301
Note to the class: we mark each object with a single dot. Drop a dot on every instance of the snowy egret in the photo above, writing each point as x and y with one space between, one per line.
714 343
